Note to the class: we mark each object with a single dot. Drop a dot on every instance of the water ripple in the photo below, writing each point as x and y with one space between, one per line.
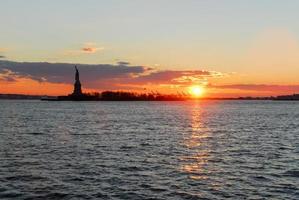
149 150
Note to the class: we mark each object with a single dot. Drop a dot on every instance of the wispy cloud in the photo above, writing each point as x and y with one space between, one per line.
86 48
91 48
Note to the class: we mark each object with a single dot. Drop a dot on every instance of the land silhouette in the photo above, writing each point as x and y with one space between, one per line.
78 95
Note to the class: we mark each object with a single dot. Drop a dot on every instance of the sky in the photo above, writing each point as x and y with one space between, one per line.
230 47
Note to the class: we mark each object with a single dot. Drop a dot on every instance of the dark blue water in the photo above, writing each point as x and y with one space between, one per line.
149 150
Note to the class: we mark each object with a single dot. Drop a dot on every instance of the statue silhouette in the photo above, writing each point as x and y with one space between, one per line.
77 85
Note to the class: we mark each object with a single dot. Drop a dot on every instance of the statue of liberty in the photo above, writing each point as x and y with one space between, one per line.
77 85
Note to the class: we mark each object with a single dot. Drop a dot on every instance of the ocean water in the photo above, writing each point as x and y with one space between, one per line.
149 150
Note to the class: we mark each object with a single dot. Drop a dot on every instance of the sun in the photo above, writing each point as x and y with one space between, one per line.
196 91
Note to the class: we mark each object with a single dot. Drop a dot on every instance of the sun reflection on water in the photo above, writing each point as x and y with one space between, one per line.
194 165
195 142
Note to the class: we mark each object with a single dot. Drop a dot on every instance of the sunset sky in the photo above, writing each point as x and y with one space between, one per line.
229 47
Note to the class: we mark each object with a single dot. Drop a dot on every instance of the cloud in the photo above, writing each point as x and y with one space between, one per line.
90 48
87 48
8 79
63 72
7 76
185 77
123 63
102 76
259 87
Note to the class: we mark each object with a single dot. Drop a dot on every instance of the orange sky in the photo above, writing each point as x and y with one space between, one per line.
32 87
267 67
231 48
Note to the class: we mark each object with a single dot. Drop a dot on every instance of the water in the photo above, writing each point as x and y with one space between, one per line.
149 150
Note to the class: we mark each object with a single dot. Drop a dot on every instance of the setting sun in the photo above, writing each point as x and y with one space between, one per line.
196 91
